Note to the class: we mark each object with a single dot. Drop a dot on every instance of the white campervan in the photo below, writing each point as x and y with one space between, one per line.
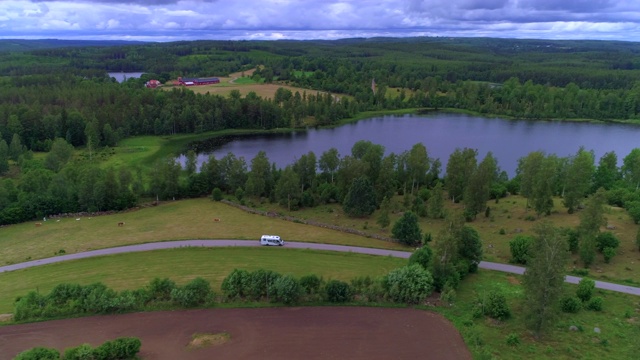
271 240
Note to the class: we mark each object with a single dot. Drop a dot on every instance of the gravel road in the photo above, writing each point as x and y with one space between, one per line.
296 245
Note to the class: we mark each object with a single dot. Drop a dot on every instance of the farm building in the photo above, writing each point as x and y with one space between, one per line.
197 81
153 84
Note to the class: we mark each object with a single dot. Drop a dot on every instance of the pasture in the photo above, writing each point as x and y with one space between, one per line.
177 220
134 270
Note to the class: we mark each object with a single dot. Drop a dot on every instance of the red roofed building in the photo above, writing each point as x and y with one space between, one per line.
153 84
198 81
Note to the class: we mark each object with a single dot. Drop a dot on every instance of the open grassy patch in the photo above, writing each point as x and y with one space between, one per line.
202 340
507 219
178 220
488 338
135 270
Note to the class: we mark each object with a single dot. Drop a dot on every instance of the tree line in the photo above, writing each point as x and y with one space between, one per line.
362 181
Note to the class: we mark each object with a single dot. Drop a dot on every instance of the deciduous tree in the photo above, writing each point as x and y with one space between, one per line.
591 219
578 178
288 190
543 280
478 190
462 163
329 161
361 198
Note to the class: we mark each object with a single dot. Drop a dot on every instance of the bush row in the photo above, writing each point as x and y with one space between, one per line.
410 284
71 299
119 349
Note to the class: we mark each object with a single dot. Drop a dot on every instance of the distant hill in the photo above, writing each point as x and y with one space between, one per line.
16 45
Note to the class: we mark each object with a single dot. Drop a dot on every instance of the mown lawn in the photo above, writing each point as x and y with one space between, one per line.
134 270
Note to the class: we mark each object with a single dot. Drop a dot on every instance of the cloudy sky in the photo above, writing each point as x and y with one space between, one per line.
169 20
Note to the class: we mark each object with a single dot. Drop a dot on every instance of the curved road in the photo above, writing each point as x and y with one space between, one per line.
296 245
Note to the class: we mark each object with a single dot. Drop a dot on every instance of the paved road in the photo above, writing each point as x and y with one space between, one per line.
296 245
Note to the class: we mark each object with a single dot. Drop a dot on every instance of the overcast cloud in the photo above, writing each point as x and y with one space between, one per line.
169 20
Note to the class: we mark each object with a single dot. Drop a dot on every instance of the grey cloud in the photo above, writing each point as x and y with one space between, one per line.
129 2
483 4
579 6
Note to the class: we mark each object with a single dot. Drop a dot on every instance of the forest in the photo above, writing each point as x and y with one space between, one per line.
55 101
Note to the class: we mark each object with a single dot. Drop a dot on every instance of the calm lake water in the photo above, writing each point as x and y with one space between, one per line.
121 76
441 133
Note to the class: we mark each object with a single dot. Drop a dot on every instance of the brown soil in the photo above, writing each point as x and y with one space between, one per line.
271 333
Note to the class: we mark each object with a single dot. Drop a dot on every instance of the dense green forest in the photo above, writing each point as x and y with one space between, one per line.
55 99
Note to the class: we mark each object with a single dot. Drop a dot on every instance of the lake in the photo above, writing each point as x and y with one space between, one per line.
121 76
441 133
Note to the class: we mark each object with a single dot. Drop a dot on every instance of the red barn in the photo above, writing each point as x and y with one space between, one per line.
198 81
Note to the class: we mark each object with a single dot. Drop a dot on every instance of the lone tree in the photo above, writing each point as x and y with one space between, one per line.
543 279
406 229
591 219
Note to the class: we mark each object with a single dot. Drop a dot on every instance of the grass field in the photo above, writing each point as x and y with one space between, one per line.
179 220
134 270
619 323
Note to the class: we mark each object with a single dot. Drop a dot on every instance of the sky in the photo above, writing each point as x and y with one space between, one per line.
172 20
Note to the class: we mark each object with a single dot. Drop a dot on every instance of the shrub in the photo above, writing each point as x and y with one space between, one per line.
595 304
605 240
120 348
261 283
448 294
520 248
62 293
239 194
337 291
216 194
496 306
409 284
29 306
287 289
96 298
82 352
608 253
513 340
196 292
310 284
502 231
570 304
39 353
236 284
160 289
422 257
573 239
585 289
